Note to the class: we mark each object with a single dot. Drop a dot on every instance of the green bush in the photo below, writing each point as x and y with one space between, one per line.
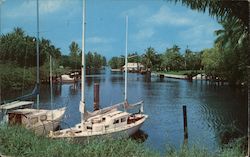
13 77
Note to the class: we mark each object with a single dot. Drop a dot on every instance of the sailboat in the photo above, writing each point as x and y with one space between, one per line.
40 121
106 121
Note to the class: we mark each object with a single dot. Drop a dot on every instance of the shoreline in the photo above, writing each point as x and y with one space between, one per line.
170 75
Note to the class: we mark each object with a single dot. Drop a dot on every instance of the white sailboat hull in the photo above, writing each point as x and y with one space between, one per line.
79 135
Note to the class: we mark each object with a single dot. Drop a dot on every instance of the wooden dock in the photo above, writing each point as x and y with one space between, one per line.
170 76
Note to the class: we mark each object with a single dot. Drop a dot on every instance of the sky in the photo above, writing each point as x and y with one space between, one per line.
156 23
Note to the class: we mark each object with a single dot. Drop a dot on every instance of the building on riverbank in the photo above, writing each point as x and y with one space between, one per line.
134 67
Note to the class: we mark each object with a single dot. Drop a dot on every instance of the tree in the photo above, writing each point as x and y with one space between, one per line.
233 41
172 59
74 54
89 60
149 58
116 62
97 61
104 61
20 49
134 58
211 59
192 60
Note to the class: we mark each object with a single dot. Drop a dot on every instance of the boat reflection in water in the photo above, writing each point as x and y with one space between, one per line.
140 136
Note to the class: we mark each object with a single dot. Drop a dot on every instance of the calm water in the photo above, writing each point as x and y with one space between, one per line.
210 108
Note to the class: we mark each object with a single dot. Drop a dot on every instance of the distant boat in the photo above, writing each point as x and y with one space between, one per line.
107 121
38 120
67 79
116 70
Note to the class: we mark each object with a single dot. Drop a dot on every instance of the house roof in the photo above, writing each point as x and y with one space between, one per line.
134 65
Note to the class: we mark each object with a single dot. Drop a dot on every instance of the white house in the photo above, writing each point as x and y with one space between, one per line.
134 66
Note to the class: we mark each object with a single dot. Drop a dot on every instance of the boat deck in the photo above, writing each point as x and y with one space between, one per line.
15 105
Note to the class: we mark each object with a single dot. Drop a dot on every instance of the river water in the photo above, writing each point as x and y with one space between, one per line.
210 108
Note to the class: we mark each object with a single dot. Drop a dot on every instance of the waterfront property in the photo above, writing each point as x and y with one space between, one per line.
134 67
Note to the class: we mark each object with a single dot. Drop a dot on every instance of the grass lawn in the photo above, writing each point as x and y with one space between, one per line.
181 72
19 142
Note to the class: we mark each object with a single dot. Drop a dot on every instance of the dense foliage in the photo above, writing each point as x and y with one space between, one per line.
116 62
171 59
93 60
14 77
18 59
20 49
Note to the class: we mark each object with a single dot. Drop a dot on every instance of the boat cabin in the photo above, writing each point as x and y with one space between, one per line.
26 116
107 121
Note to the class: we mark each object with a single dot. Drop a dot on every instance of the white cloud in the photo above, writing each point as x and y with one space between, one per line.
50 6
199 36
165 16
148 21
190 28
138 12
144 34
98 40
28 7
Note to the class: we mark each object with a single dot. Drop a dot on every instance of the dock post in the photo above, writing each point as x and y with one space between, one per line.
185 123
161 76
96 96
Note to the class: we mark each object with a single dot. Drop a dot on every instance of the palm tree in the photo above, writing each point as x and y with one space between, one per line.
148 59
19 32
74 52
233 34
232 41
221 9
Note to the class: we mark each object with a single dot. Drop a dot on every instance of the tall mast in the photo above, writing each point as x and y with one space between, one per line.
51 88
37 53
82 102
126 61
1 2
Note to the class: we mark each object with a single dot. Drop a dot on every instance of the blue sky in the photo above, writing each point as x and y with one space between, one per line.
155 23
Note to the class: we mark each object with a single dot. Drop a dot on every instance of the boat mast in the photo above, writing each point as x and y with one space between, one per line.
126 62
37 54
1 2
51 89
82 102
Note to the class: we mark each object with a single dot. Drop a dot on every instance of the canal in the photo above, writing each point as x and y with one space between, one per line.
211 109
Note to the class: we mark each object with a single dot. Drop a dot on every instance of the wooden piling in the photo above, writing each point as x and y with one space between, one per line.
96 96
185 123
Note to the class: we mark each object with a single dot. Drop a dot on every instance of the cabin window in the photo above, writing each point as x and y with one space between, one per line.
34 120
43 117
123 119
103 119
116 121
89 127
